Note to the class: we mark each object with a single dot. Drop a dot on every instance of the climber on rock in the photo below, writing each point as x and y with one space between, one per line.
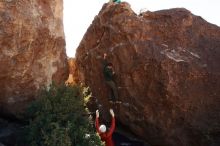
105 136
109 76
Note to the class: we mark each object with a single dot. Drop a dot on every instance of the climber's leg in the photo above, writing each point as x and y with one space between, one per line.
113 87
111 96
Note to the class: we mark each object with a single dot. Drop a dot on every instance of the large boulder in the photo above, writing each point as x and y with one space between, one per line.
168 73
32 50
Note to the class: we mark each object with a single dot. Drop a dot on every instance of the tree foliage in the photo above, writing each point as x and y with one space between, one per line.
59 118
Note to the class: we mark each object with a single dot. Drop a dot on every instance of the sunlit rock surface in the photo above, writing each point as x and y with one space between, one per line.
32 50
168 73
73 78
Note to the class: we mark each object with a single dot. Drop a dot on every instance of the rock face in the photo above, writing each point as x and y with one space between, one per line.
32 50
73 76
168 73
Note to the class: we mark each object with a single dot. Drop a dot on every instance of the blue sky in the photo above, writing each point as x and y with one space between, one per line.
78 15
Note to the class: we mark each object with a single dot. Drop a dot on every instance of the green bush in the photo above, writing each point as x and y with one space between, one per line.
59 118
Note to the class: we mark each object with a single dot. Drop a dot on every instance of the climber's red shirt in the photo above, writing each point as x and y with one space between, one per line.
107 136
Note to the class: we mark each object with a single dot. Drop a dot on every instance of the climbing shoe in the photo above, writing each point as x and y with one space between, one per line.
111 101
118 101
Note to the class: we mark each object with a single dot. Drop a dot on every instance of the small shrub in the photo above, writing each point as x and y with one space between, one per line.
59 118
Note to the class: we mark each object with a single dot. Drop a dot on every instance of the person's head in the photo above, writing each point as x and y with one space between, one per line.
102 128
110 65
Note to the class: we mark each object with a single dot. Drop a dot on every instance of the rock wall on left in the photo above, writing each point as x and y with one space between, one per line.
32 51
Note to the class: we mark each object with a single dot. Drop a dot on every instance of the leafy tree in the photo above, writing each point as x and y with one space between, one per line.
59 118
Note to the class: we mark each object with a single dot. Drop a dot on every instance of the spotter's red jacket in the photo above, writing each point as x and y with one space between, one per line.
107 136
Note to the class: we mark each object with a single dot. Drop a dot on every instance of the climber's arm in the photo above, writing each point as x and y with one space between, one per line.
105 62
112 128
97 121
